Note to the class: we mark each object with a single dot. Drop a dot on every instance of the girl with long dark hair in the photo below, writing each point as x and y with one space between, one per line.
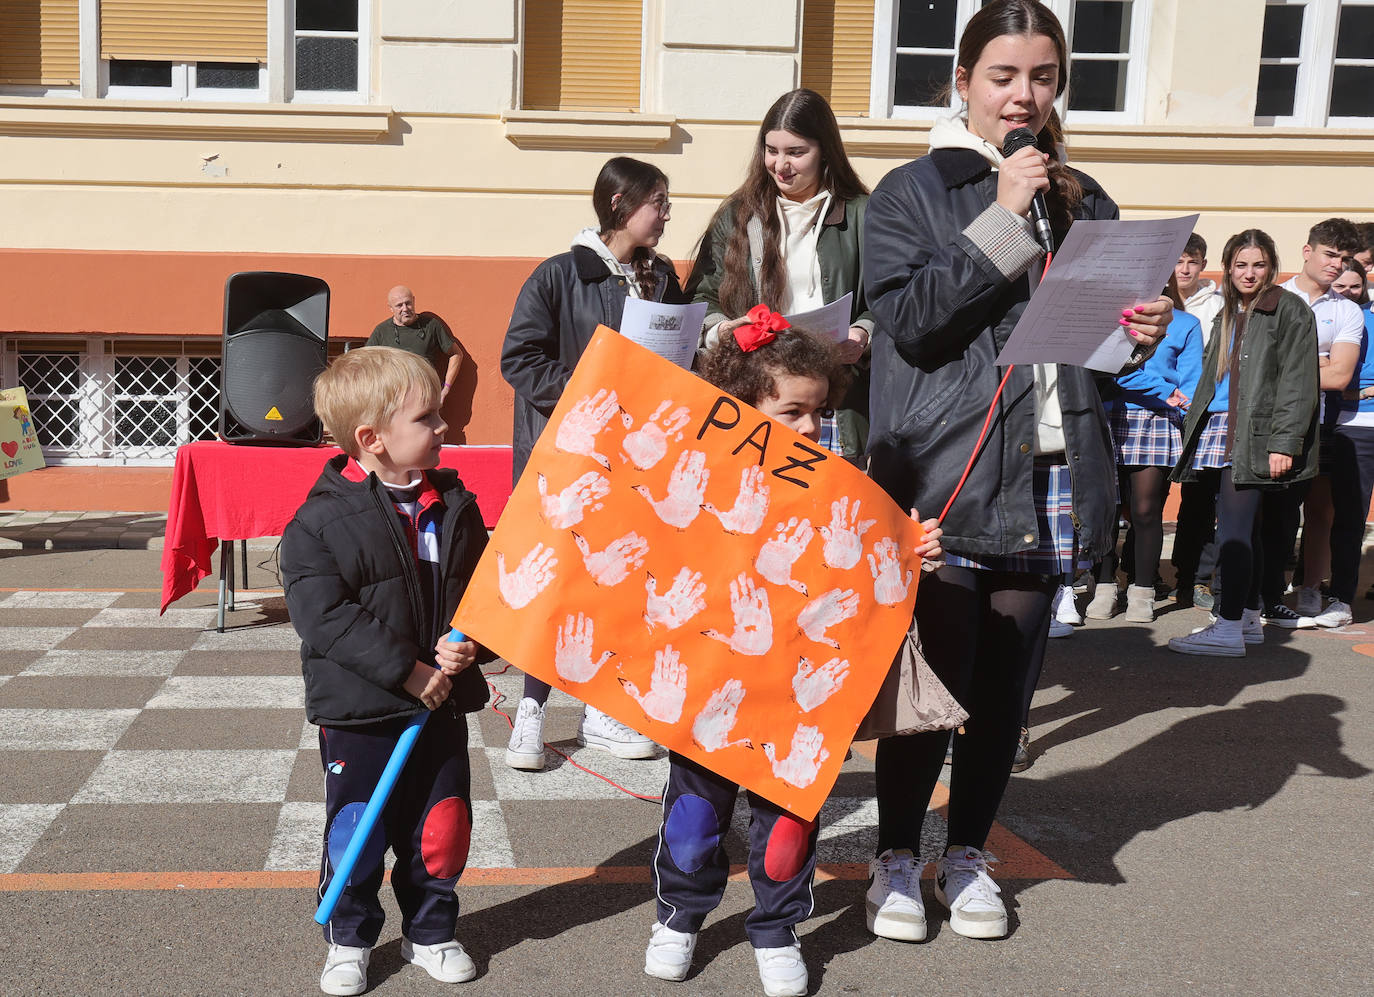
790 237
558 309
950 263
1252 425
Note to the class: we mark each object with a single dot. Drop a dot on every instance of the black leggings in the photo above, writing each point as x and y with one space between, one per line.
983 633
1143 490
1239 547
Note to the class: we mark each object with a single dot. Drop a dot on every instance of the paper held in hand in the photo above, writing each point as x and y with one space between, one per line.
671 331
830 321
1102 268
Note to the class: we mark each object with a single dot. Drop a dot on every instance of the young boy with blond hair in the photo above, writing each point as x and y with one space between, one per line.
373 566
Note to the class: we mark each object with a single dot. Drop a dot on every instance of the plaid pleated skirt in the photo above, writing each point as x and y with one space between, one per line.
1146 438
1211 452
1056 553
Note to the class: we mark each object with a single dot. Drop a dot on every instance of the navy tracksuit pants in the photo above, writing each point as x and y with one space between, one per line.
427 822
691 867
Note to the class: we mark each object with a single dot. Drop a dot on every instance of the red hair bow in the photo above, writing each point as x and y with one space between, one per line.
763 327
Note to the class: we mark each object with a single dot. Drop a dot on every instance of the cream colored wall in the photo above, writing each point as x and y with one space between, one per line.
433 168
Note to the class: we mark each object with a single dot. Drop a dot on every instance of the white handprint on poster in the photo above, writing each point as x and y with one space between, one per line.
753 639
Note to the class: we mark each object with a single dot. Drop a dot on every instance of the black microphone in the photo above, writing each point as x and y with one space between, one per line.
1015 141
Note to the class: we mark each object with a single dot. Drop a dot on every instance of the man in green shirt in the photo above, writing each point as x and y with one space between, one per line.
422 333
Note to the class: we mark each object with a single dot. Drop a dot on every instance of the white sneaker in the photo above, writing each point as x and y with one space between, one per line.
782 971
1336 614
447 962
963 885
1065 610
345 970
1251 626
1058 628
1213 639
1309 601
599 730
669 955
893 902
526 747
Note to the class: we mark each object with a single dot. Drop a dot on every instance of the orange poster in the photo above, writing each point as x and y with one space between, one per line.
701 573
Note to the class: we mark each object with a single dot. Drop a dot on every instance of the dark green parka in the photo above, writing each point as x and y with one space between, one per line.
1273 391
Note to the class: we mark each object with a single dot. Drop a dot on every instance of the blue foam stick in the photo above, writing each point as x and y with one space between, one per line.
343 871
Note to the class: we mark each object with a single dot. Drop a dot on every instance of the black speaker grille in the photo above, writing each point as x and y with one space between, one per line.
268 374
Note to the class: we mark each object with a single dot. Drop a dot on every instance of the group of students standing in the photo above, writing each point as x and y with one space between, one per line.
1024 464
1257 404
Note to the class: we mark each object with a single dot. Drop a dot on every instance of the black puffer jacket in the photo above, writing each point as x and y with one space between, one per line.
558 309
353 591
944 310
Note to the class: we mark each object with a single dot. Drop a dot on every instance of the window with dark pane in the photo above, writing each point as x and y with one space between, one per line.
1352 92
326 63
203 397
1282 38
1101 26
1275 96
326 15
140 73
923 80
227 75
1355 36
1097 86
926 24
51 382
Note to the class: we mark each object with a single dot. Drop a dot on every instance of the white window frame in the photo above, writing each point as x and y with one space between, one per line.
884 77
276 79
95 397
1316 66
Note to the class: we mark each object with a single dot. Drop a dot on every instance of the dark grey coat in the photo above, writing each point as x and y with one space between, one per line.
944 310
556 312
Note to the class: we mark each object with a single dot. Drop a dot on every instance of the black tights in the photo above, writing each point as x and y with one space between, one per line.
1143 491
1239 551
983 633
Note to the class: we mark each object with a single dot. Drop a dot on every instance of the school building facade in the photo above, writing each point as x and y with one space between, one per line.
149 149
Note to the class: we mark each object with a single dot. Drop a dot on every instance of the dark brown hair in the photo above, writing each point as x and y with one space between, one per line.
1251 238
1350 266
801 112
635 182
1027 18
1338 233
752 377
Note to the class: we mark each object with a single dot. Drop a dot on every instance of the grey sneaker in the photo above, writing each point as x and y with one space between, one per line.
1336 614
1209 641
669 955
1022 760
1309 601
962 884
893 904
525 749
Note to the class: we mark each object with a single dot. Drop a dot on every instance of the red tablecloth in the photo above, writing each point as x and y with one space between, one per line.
236 492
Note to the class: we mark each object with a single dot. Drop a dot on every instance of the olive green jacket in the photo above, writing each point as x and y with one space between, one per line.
1273 391
838 248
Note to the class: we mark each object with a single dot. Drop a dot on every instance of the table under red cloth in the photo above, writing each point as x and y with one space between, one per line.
236 492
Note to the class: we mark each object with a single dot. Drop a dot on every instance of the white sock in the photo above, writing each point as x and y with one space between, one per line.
1227 628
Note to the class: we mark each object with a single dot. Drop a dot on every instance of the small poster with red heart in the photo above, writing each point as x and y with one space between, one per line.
19 449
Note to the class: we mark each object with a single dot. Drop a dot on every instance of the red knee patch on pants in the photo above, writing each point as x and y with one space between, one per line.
788 848
446 838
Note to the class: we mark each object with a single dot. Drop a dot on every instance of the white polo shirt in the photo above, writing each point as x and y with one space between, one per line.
1339 320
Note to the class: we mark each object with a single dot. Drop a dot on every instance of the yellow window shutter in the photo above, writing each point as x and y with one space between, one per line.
837 52
184 30
39 43
582 54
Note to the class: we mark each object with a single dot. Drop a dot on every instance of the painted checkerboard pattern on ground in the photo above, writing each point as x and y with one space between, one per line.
131 741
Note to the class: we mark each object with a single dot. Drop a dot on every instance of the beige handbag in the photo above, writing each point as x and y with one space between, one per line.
911 699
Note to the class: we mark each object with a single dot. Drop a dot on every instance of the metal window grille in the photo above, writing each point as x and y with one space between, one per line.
96 406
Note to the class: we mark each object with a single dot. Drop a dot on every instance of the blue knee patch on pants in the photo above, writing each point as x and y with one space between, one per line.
691 833
341 832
